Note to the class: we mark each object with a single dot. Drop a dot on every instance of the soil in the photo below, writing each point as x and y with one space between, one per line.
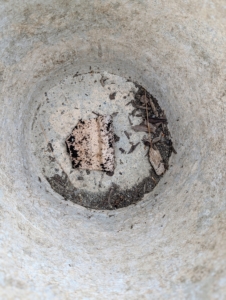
115 197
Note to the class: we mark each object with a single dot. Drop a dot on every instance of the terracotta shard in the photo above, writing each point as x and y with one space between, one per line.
91 144
156 161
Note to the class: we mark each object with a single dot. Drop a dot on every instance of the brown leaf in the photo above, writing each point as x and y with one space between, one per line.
156 161
144 99
140 128
143 128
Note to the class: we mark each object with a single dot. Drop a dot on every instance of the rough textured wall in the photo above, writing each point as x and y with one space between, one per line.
172 244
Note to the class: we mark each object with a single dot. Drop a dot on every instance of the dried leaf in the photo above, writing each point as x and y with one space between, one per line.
151 126
144 99
143 128
116 138
140 128
133 147
156 161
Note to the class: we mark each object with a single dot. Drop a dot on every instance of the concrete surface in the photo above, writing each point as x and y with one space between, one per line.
172 244
57 112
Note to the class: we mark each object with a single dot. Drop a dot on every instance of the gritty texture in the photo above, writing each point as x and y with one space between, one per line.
172 244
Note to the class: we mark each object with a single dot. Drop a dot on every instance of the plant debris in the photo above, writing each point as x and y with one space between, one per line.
130 121
156 161
114 114
155 124
127 134
50 147
133 147
112 96
122 150
116 138
102 81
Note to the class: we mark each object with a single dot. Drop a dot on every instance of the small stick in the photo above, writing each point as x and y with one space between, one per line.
130 121
96 113
127 135
128 103
157 139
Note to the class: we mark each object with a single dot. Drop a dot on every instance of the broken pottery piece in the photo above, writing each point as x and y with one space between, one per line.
156 161
91 144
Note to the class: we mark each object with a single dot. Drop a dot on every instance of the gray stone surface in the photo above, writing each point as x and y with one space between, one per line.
172 244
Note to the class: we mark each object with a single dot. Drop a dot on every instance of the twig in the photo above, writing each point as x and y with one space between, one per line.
96 113
128 103
130 121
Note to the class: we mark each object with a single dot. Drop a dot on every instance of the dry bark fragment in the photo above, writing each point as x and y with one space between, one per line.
91 144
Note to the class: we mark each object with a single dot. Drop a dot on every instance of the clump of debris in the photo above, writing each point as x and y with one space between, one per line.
154 123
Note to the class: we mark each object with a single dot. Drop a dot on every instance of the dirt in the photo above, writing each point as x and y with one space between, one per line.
116 197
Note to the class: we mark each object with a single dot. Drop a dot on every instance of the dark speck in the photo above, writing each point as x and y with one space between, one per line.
112 96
